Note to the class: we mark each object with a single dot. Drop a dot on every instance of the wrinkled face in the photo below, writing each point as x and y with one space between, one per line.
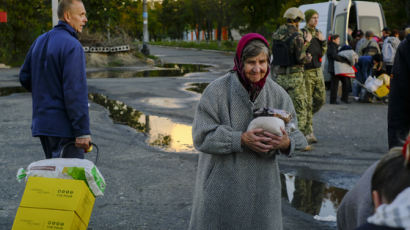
255 68
313 20
76 16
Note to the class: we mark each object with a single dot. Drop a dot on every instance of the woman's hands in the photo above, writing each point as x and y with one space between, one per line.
262 141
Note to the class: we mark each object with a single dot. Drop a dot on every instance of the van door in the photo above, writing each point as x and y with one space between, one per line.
370 16
340 20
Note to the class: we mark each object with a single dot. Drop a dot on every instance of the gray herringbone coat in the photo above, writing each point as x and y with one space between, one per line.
235 188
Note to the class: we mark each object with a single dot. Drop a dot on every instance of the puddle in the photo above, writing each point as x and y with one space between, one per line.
187 67
312 197
172 70
161 132
197 87
10 90
163 102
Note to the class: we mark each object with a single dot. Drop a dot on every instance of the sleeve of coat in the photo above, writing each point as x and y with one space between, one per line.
25 71
75 90
323 44
209 135
300 48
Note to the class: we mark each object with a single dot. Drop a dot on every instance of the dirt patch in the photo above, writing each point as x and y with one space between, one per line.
113 59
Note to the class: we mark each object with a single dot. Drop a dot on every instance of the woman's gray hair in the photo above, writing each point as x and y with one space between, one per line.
253 49
64 6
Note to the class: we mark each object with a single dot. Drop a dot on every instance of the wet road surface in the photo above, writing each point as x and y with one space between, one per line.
150 187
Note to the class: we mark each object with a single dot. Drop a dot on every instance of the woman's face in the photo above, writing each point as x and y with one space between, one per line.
255 67
337 40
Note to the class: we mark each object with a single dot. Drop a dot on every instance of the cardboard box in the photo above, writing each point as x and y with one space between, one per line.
59 194
47 219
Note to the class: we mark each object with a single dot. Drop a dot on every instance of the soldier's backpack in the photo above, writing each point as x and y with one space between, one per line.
370 50
282 55
388 52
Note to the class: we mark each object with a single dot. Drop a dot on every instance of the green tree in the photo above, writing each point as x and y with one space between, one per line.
104 16
396 17
131 19
26 21
172 18
155 26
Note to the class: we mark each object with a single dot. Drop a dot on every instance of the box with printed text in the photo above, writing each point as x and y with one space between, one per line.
47 219
59 194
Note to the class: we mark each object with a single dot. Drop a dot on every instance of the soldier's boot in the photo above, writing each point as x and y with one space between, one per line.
307 148
311 139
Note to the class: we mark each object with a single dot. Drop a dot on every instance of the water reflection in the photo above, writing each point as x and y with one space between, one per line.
161 132
187 67
10 90
311 196
163 102
197 87
172 70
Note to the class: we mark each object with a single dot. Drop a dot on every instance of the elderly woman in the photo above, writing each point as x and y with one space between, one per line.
238 182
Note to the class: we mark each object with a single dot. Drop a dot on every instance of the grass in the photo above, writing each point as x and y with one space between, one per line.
208 45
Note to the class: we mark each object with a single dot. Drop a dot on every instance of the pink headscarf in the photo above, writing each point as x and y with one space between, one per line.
252 88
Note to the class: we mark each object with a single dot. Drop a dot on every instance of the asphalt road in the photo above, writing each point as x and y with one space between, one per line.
149 188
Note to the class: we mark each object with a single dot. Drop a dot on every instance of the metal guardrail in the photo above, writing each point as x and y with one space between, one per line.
106 49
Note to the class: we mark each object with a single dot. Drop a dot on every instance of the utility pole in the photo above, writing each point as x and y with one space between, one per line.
54 4
145 40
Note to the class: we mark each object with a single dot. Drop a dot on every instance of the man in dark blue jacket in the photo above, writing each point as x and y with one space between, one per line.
54 71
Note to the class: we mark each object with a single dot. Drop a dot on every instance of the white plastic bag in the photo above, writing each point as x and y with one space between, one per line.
372 84
67 168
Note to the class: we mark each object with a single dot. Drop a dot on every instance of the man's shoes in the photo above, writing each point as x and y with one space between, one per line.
311 139
346 101
334 102
307 148
356 98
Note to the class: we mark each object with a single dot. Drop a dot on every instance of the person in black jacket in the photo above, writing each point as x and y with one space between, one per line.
399 96
334 81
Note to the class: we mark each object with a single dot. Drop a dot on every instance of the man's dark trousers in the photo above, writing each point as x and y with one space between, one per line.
52 147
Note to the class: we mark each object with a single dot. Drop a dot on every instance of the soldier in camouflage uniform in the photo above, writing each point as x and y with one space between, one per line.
289 75
314 81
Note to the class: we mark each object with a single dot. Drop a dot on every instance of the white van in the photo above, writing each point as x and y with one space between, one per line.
335 17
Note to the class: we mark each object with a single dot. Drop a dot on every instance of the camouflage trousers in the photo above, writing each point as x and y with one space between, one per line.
316 95
294 84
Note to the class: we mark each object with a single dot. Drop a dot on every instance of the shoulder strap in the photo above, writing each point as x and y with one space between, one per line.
292 37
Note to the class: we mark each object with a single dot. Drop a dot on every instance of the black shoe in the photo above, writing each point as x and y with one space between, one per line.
346 101
334 102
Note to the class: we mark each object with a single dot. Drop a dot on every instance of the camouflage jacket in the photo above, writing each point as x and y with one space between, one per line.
297 46
314 32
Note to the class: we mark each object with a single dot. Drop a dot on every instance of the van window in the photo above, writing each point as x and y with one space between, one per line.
370 23
340 28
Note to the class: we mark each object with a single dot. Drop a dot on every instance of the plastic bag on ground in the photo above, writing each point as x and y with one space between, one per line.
372 84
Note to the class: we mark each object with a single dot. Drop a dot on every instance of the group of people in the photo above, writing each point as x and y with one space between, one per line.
237 184
375 56
238 181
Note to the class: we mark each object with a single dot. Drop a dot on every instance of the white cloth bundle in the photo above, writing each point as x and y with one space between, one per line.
270 124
